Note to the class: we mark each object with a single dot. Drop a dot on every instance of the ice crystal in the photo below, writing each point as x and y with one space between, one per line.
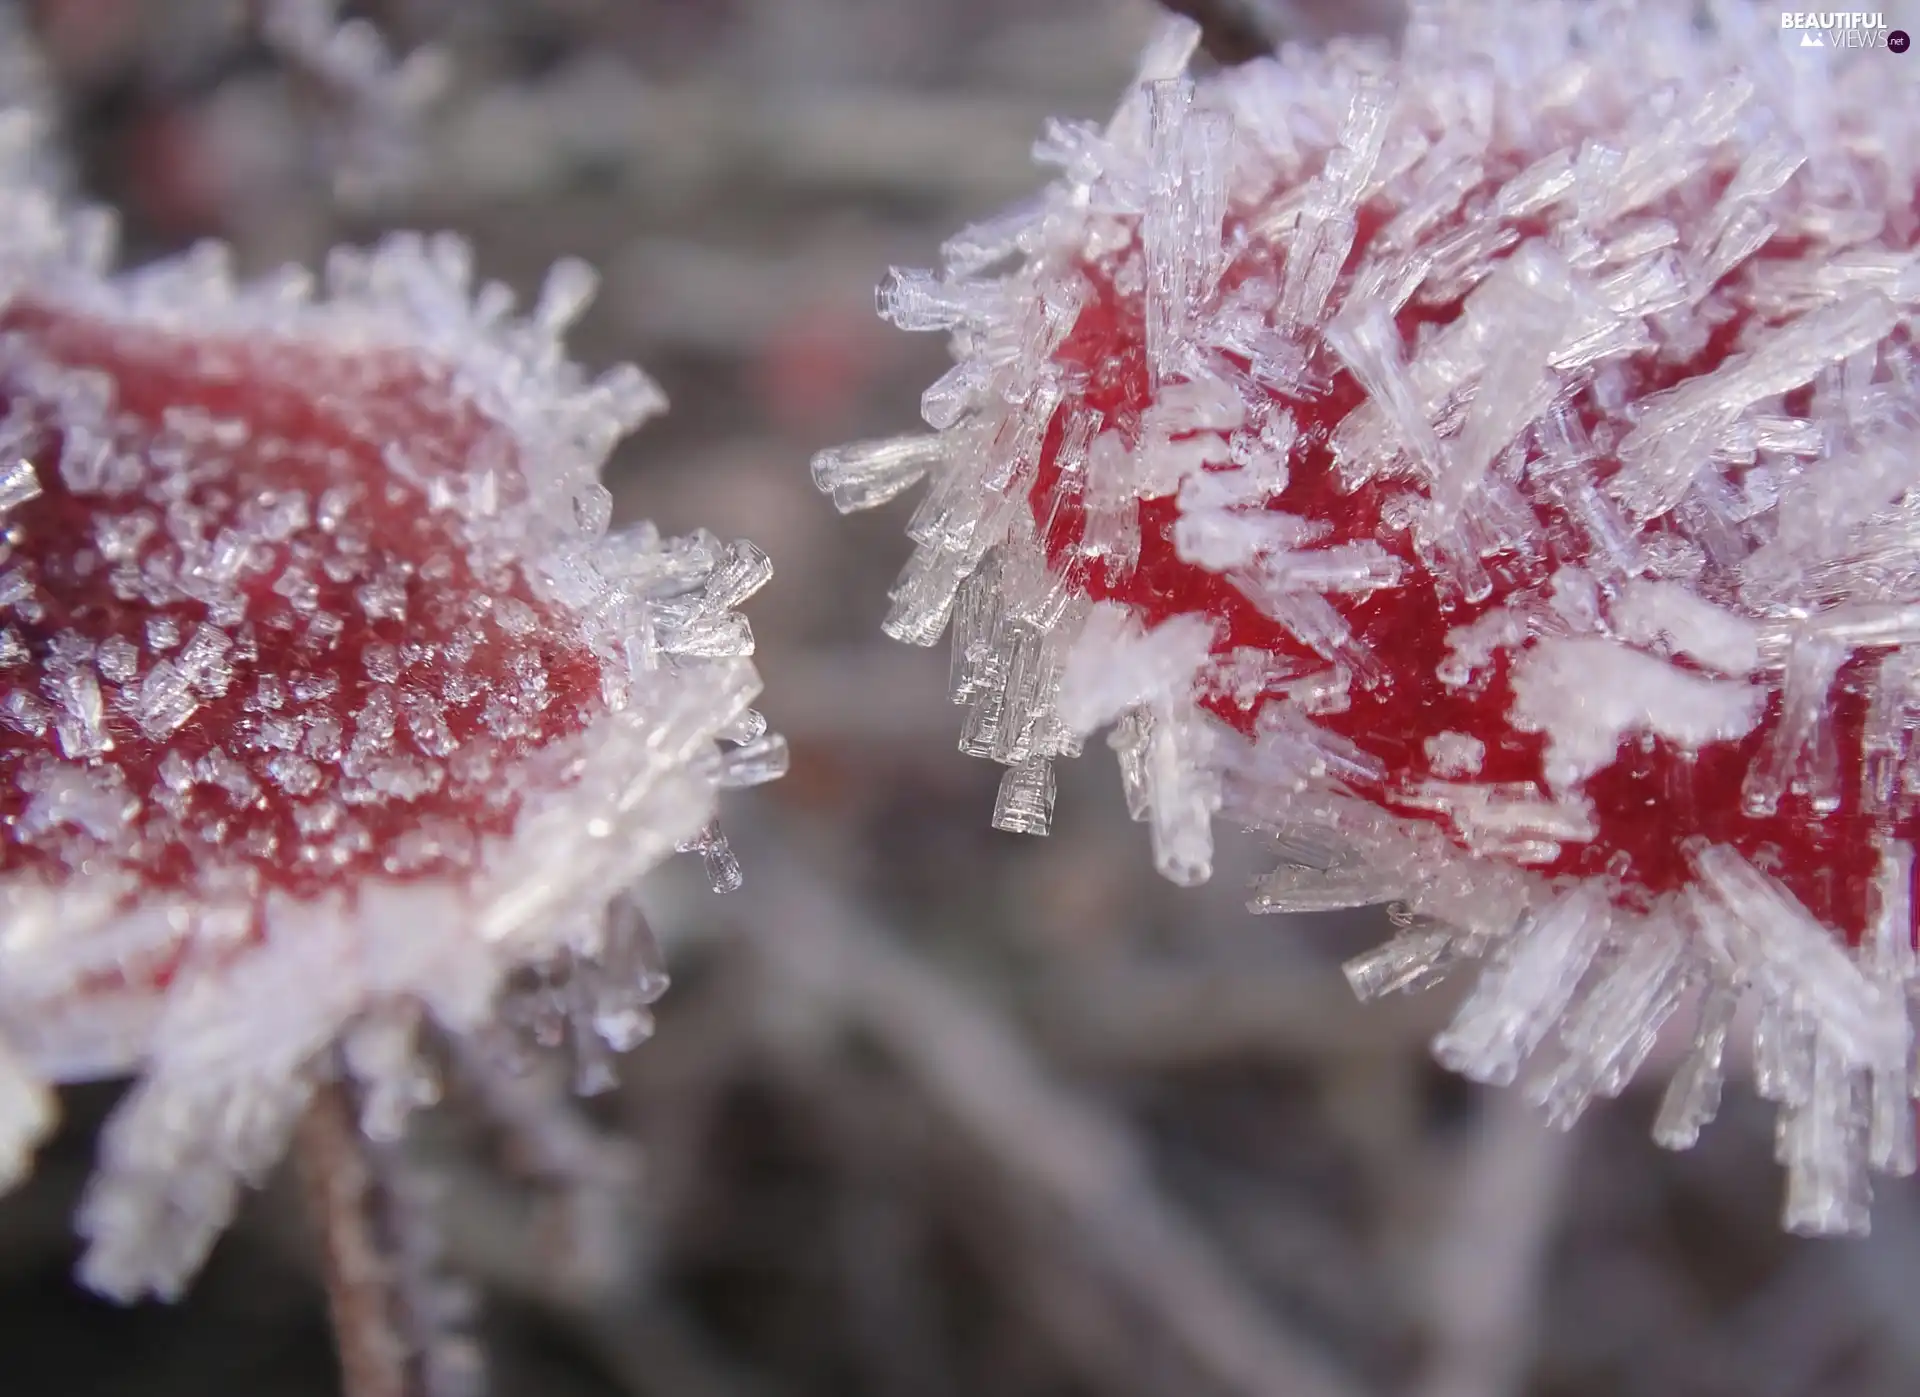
1494 468
330 704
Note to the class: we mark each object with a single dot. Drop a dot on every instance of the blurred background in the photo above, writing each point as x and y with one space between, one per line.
932 1111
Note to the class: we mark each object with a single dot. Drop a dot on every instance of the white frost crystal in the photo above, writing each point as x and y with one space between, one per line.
330 704
1494 470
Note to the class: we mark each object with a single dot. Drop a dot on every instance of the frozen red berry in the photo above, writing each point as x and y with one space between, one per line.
1494 468
328 697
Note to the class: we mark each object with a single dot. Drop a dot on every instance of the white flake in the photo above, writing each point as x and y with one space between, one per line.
1586 694
1667 614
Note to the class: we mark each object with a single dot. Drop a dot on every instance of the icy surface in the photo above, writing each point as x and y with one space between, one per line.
330 705
1496 473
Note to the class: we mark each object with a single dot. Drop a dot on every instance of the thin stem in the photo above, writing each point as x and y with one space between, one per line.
355 1213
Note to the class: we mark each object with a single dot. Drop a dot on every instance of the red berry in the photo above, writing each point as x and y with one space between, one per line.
327 699
273 660
1493 469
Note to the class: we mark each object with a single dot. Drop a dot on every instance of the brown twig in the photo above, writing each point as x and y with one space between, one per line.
386 1322
355 1259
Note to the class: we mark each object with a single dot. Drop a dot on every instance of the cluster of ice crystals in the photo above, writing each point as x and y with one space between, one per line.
329 700
1495 471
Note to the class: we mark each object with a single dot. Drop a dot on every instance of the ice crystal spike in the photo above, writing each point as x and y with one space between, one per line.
1497 472
327 699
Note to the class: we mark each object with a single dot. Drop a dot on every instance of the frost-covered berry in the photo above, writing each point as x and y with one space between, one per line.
328 698
1494 469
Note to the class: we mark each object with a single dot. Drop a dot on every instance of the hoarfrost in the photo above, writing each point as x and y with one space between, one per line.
345 698
1408 456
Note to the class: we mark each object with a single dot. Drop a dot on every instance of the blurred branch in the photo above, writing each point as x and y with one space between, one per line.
587 1266
580 1180
1128 1015
1054 1144
363 101
1489 1261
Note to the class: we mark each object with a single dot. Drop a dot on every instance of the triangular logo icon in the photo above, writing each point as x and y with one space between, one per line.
1811 40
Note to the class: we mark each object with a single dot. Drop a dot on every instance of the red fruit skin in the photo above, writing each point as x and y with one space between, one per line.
289 397
1648 804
